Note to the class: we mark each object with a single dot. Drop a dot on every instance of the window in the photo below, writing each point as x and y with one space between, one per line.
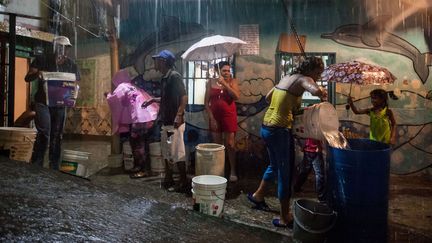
288 61
197 74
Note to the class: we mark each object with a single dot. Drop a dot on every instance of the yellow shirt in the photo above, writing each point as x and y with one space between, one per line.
282 107
380 127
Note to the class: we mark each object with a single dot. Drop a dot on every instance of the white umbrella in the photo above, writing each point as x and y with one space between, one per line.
213 47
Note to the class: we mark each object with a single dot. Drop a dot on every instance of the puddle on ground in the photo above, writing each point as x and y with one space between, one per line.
42 205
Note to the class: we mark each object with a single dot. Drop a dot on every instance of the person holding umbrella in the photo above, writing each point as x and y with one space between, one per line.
382 121
220 96
276 130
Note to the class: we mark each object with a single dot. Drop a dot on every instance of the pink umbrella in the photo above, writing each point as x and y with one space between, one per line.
125 104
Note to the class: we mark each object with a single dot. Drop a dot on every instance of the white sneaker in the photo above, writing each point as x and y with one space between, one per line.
233 178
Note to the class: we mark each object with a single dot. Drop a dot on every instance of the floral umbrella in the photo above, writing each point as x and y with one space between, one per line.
355 72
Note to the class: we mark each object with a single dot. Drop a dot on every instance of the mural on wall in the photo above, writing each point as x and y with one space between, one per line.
412 104
352 29
373 35
177 36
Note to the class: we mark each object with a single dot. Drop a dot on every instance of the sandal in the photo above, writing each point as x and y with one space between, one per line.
135 170
257 204
139 174
277 223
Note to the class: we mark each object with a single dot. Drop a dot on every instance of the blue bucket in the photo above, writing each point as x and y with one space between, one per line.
358 180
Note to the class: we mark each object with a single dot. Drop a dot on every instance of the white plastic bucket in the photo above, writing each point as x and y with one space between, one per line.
210 159
73 162
157 163
208 194
127 156
315 121
19 140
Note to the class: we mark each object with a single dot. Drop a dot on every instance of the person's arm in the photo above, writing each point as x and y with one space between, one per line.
179 119
393 127
355 109
269 95
34 72
149 101
232 89
180 88
312 87
207 105
32 75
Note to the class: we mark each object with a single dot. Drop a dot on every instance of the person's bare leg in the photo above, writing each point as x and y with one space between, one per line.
285 216
230 144
261 192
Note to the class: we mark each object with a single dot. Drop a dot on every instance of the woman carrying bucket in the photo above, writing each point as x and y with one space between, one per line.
276 130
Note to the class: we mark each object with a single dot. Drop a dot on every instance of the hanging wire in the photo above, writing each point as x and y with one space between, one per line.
71 21
293 29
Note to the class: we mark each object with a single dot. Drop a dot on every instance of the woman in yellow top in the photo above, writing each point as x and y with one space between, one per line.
276 130
382 121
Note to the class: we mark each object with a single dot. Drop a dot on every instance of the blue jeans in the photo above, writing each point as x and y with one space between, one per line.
280 148
49 123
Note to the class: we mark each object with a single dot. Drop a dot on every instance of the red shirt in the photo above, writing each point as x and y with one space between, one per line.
312 145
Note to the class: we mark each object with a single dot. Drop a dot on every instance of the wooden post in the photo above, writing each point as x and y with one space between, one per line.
115 66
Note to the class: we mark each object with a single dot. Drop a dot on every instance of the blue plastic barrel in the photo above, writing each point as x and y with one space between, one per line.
358 189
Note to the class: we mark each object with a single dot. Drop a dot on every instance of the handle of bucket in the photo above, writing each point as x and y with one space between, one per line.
304 227
214 194
28 139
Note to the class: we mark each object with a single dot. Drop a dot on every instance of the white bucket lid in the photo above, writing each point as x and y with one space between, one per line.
76 153
18 129
210 147
209 180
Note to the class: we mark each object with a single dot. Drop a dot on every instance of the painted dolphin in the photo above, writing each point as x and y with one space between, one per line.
172 32
370 36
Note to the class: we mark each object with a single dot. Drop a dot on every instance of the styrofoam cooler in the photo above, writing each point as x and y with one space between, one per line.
316 120
61 88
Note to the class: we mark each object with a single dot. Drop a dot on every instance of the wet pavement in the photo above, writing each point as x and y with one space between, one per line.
42 205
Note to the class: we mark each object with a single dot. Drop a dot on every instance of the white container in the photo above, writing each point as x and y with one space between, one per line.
210 159
208 194
157 163
315 121
19 140
128 163
74 162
